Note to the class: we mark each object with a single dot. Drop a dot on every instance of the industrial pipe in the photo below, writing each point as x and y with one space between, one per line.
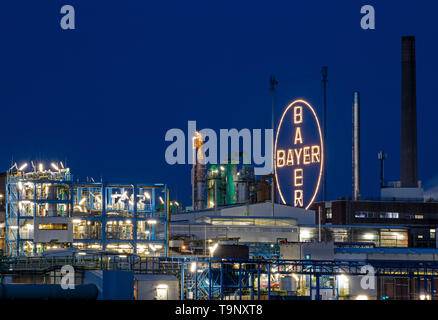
356 146
47 292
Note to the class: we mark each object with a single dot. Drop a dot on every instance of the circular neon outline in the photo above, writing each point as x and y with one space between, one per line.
322 149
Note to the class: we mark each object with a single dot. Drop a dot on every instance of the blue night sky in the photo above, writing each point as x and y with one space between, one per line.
103 96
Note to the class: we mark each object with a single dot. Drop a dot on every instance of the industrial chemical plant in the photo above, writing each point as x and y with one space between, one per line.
244 237
46 210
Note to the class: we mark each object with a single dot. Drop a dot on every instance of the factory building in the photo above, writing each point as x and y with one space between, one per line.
400 273
402 203
244 224
235 242
45 210
419 218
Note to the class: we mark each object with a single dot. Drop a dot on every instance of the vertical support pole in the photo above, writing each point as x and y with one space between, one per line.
215 195
425 282
134 243
432 287
324 73
6 253
269 282
35 214
167 220
222 281
310 285
210 280
7 195
182 279
258 282
70 214
318 296
196 281
319 223
205 239
103 216
273 83
240 280
153 213
251 285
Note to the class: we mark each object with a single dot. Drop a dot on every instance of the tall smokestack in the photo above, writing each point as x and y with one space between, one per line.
409 166
356 146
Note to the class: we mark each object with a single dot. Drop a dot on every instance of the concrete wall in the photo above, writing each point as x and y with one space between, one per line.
265 210
243 233
386 255
323 251
45 236
251 210
291 251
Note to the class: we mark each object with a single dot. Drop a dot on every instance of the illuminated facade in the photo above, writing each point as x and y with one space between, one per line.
299 155
45 211
419 217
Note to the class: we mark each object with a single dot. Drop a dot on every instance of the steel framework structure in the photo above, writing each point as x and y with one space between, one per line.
148 217
22 206
122 218
218 279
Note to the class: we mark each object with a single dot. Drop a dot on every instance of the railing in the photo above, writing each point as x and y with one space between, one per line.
150 265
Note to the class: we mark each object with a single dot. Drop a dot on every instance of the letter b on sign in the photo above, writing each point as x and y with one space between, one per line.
298 115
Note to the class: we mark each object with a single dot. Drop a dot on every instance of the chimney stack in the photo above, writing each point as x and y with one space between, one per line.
356 146
409 166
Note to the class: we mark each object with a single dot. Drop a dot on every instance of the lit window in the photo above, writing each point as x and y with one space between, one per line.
329 214
53 226
389 215
364 215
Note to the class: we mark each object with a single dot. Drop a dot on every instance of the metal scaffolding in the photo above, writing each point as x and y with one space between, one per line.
235 279
221 279
117 221
125 219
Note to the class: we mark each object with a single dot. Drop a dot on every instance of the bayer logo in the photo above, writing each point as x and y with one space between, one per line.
299 155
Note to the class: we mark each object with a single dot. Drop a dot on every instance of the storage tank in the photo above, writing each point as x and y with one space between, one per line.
245 179
216 178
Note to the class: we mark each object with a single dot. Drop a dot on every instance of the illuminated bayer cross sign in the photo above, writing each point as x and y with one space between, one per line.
299 155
